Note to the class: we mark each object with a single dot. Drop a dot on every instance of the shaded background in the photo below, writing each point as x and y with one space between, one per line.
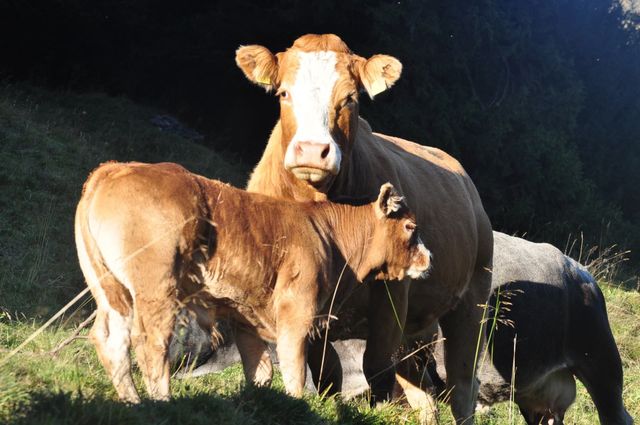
540 100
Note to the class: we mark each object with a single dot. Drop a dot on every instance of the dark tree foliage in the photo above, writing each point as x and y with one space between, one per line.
540 100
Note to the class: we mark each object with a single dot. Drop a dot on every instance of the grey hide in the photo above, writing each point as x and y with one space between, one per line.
559 316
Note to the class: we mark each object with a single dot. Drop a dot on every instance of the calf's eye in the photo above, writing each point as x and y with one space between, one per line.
350 99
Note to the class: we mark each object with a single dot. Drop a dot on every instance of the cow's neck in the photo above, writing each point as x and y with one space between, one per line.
350 229
357 176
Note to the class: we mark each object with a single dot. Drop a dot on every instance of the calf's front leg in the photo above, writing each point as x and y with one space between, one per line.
293 320
256 361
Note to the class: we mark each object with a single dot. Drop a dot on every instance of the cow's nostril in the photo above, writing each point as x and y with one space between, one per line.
325 152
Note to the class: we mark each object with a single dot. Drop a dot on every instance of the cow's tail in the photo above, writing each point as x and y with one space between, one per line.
108 292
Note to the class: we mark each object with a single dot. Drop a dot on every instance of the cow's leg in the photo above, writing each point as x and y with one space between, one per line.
155 320
386 317
256 361
464 341
325 358
605 390
111 336
418 397
597 364
414 382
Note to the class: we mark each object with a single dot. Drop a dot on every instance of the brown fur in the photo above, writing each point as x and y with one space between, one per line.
443 196
152 238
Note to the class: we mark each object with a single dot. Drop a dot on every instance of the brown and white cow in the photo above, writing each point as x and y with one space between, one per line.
153 238
320 148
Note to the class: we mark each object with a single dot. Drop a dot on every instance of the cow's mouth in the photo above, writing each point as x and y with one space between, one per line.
315 176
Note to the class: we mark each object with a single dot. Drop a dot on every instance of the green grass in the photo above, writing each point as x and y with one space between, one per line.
72 387
49 141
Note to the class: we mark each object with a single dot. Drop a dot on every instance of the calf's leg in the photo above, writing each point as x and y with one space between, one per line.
254 353
156 317
111 331
294 317
111 336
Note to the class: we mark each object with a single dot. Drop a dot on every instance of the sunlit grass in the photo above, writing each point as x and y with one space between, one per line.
34 380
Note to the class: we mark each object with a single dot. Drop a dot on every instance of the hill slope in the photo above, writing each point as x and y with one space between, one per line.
49 142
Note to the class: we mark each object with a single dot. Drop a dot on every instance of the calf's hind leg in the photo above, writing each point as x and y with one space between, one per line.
156 316
111 336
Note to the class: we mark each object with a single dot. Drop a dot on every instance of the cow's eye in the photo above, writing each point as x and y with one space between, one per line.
283 94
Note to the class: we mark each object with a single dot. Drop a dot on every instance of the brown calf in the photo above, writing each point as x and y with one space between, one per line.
152 238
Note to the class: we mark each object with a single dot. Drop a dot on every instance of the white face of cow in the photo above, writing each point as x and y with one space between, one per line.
312 152
317 80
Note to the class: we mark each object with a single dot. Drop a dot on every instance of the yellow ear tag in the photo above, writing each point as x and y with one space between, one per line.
377 87
264 80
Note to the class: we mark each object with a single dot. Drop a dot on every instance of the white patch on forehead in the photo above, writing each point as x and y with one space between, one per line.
311 92
311 95
311 98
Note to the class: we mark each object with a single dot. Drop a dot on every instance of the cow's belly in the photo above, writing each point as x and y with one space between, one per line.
349 312
427 302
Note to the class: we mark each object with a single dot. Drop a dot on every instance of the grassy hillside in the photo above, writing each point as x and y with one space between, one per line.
48 144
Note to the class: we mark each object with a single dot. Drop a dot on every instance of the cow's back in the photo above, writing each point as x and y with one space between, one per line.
519 259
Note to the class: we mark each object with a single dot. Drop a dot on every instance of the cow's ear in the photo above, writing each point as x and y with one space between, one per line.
259 65
378 73
389 201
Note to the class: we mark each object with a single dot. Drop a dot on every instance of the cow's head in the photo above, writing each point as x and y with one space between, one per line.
318 81
395 249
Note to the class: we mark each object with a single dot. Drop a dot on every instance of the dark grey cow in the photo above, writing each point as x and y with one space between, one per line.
561 331
556 313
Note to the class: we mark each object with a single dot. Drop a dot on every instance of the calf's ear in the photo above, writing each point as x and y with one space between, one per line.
378 73
259 65
389 201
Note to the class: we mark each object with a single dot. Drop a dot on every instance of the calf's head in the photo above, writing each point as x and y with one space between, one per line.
317 80
395 249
